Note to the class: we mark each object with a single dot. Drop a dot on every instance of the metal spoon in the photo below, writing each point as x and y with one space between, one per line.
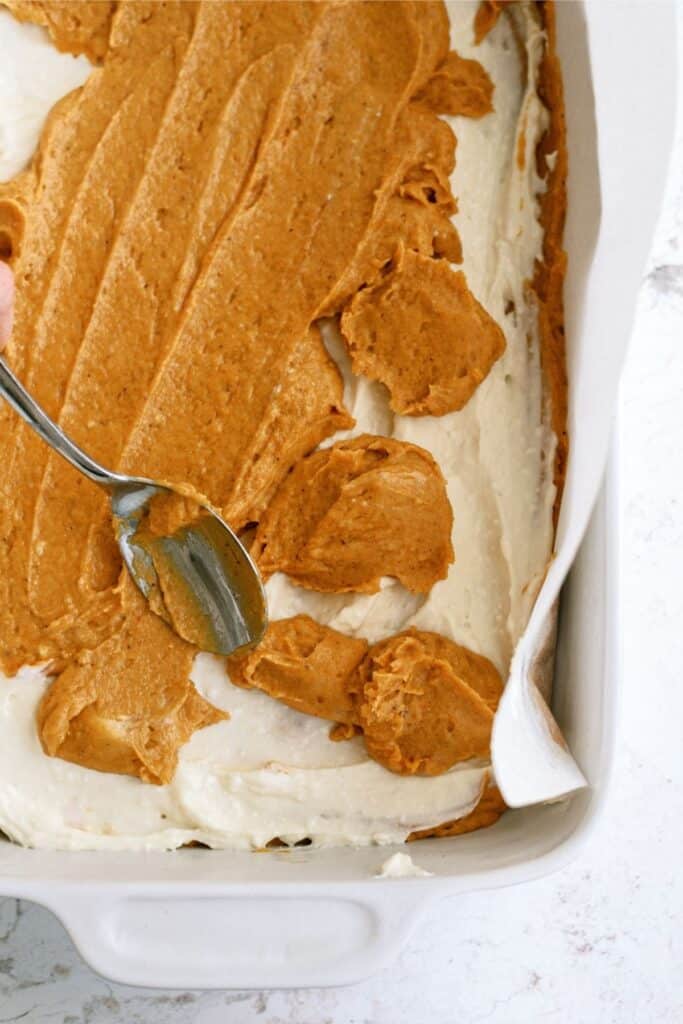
200 578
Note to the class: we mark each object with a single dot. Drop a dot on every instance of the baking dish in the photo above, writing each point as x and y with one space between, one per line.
200 919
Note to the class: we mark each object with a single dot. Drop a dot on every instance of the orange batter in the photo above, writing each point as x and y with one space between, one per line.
231 173
362 509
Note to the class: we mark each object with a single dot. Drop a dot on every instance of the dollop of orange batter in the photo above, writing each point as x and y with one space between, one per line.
305 665
420 331
460 86
425 703
100 713
359 510
229 174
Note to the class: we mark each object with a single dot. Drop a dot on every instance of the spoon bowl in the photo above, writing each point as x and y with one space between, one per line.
199 577
196 574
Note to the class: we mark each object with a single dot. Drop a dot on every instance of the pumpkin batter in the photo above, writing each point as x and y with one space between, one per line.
348 515
230 174
305 665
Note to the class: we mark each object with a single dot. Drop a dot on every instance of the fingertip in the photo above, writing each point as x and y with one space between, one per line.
6 287
6 302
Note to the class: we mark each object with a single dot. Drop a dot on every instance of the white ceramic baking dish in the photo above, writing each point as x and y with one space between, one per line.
202 919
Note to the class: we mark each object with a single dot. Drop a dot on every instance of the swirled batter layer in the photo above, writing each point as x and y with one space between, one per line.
220 182
186 225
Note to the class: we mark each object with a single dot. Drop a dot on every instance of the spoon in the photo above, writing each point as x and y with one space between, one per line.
199 577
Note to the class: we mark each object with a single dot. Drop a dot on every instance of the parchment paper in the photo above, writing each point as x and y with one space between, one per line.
619 67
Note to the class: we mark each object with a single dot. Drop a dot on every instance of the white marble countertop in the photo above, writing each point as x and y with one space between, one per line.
601 941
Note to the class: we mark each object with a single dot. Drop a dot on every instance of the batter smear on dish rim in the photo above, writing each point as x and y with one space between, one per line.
238 269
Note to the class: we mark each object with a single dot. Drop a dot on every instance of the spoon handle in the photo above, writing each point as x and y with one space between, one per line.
38 420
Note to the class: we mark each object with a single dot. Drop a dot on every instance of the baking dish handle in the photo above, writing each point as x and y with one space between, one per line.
242 941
